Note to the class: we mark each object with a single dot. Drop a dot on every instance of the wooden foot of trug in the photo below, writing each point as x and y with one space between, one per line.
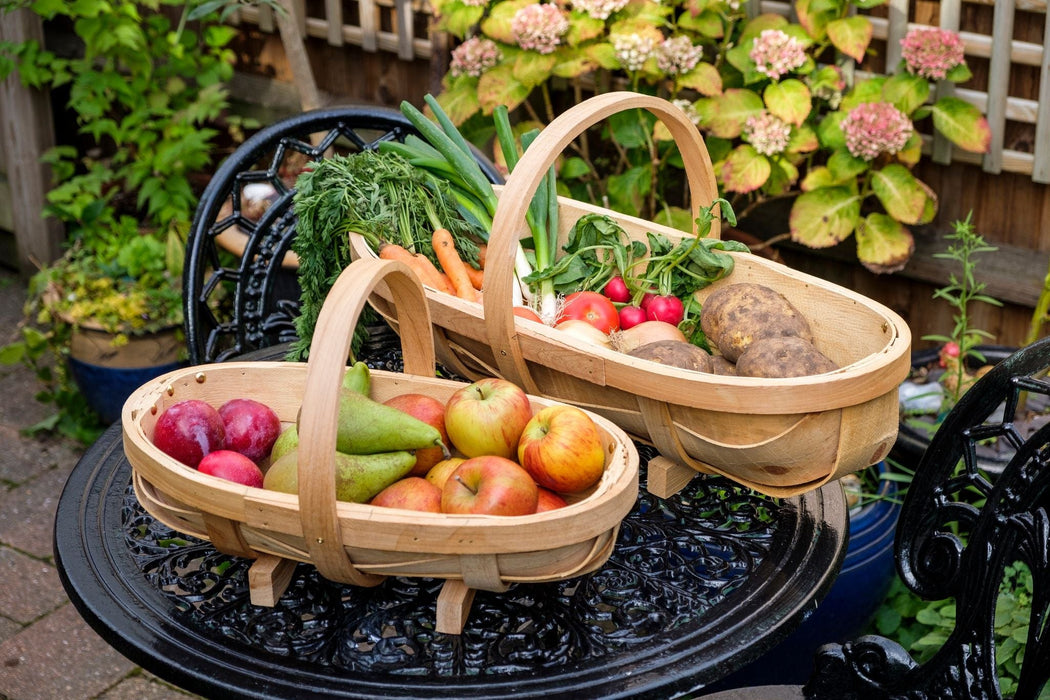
666 477
453 606
268 579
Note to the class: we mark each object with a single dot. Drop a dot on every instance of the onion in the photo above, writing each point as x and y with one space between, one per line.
584 331
643 333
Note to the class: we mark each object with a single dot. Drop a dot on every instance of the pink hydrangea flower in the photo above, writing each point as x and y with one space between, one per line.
931 52
599 9
539 27
872 128
767 133
777 53
689 108
678 55
632 50
474 56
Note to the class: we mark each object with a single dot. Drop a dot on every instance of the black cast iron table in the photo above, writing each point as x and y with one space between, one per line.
699 585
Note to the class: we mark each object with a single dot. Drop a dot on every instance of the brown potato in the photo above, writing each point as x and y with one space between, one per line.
677 353
786 356
737 315
722 366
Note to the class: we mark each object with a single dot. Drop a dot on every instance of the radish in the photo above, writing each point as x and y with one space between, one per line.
616 290
631 316
668 309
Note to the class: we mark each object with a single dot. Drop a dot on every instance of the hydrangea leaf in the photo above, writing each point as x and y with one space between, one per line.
803 140
759 23
844 166
789 99
675 217
911 154
707 23
573 64
884 245
827 78
907 92
497 25
458 19
729 111
705 79
627 191
829 131
499 87
824 217
532 68
930 208
962 124
574 167
813 18
460 99
899 192
851 35
863 91
782 175
959 74
817 177
604 55
745 170
583 27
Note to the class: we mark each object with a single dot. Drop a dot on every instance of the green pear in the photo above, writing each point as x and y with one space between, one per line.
287 441
357 477
368 427
358 378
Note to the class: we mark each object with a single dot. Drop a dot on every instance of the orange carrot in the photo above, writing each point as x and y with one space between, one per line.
453 265
426 271
477 277
483 251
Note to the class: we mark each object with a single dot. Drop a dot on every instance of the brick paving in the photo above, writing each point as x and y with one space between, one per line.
46 650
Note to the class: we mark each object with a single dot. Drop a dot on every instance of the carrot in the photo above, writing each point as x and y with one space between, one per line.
483 251
453 265
477 277
426 271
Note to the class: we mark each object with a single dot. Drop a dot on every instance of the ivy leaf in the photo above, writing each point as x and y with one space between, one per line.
824 217
851 35
907 92
745 170
899 192
884 245
962 124
729 111
499 87
705 79
790 100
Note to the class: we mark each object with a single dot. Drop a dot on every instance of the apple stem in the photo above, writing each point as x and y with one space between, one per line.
458 478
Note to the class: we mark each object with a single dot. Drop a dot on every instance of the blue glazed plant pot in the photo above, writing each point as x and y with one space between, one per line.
850 605
106 374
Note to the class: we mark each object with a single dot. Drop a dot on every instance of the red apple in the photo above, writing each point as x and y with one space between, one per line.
548 500
430 411
188 430
487 417
492 485
562 449
232 466
410 493
441 471
251 427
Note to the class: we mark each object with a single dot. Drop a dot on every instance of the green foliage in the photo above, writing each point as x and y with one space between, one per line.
147 93
838 195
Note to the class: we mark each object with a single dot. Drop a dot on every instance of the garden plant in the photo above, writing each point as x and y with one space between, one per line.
784 106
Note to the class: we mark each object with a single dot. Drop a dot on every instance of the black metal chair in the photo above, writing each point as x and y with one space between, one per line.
240 283
947 547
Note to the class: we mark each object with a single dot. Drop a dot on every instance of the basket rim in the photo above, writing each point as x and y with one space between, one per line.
363 525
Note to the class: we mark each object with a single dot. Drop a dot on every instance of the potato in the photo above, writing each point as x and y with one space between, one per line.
786 356
722 366
737 315
676 353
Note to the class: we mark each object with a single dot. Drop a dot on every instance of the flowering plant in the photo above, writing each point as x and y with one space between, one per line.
782 108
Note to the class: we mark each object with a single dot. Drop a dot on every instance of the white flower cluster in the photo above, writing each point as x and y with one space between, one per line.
599 9
633 50
690 110
767 133
678 55
539 27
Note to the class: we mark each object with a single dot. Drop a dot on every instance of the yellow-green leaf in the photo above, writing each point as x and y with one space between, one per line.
745 170
705 79
604 55
962 124
899 192
497 25
460 100
844 166
851 35
458 19
531 68
499 87
583 27
907 92
730 110
573 65
883 244
789 99
824 217
707 23
802 140
817 177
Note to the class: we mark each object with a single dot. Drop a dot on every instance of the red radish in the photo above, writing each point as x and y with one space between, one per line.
616 290
668 309
646 298
631 316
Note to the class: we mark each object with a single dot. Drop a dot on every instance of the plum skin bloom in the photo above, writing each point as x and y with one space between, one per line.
931 52
873 128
